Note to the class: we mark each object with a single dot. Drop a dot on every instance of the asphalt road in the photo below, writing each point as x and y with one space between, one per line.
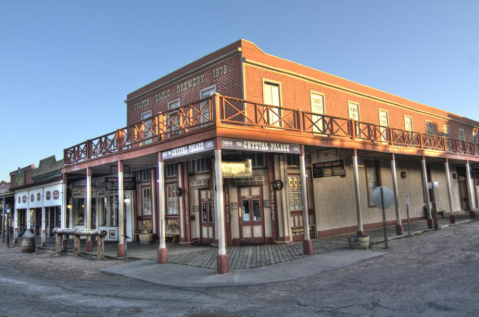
434 274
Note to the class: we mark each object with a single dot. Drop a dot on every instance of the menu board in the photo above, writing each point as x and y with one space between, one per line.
329 169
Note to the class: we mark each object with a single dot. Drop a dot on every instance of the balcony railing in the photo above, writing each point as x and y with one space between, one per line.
220 110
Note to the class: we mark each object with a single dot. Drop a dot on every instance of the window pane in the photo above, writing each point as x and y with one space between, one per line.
245 210
295 196
256 212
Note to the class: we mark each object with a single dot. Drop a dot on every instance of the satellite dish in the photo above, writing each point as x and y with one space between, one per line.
387 194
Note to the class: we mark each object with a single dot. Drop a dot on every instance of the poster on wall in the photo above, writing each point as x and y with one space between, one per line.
237 169
329 169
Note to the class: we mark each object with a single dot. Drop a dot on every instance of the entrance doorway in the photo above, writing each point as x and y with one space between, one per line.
461 171
251 215
207 217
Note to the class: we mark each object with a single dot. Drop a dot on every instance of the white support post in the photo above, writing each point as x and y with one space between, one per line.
425 189
452 218
307 243
89 242
162 251
360 230
3 220
222 258
64 208
399 227
44 231
470 192
121 211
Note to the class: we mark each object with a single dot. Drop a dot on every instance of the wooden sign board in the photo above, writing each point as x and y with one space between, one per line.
242 169
329 169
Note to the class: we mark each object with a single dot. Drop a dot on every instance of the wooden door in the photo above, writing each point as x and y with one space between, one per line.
251 215
463 193
207 217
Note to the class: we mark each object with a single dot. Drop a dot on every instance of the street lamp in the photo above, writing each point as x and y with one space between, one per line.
7 211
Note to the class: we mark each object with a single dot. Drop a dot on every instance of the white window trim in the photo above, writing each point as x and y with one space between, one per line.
432 127
412 125
172 102
448 131
463 134
311 93
349 109
207 88
280 106
146 112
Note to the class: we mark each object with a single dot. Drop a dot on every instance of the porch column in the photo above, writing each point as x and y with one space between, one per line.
307 243
44 231
15 225
360 230
426 192
89 242
452 218
470 192
121 209
399 227
64 210
3 220
222 257
162 251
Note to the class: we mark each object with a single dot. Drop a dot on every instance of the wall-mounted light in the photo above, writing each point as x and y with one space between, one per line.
179 191
126 200
403 174
278 185
69 206
454 175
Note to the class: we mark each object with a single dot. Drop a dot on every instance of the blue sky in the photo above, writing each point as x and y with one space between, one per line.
67 66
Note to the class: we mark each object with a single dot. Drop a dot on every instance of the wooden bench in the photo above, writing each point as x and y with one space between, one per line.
173 231
298 230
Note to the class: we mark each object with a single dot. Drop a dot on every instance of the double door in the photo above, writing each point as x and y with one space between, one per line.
251 214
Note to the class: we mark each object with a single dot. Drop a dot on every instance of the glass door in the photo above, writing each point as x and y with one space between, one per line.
207 217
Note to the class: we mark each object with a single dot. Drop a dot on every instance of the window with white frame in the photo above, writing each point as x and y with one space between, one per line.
147 133
429 129
171 199
205 105
272 96
408 123
462 136
146 199
383 122
446 131
353 110
317 106
475 136
173 122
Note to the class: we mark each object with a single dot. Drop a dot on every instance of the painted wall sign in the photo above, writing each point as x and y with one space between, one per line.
52 195
242 169
260 146
80 192
111 183
189 149
328 169
142 104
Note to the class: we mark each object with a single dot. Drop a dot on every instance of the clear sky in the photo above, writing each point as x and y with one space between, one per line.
67 66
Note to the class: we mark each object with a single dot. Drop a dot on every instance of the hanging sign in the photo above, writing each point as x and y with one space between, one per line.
260 146
111 183
328 169
237 169
80 192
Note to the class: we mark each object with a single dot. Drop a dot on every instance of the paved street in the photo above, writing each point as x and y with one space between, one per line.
434 274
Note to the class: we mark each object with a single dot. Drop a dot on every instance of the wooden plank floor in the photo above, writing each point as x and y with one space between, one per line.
246 257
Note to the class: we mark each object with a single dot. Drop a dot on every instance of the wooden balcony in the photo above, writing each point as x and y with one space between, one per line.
223 111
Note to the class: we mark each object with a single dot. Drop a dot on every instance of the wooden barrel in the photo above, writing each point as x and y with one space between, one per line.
358 242
28 245
146 238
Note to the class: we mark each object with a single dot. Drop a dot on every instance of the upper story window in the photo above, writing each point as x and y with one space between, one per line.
462 136
354 111
204 106
429 129
272 96
317 106
475 137
446 131
383 122
147 134
408 123
173 121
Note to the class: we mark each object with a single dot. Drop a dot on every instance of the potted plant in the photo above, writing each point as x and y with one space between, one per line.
146 236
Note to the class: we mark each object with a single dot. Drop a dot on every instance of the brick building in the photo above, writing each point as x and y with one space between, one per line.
242 147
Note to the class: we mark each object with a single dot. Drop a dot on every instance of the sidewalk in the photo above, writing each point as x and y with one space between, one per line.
189 276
